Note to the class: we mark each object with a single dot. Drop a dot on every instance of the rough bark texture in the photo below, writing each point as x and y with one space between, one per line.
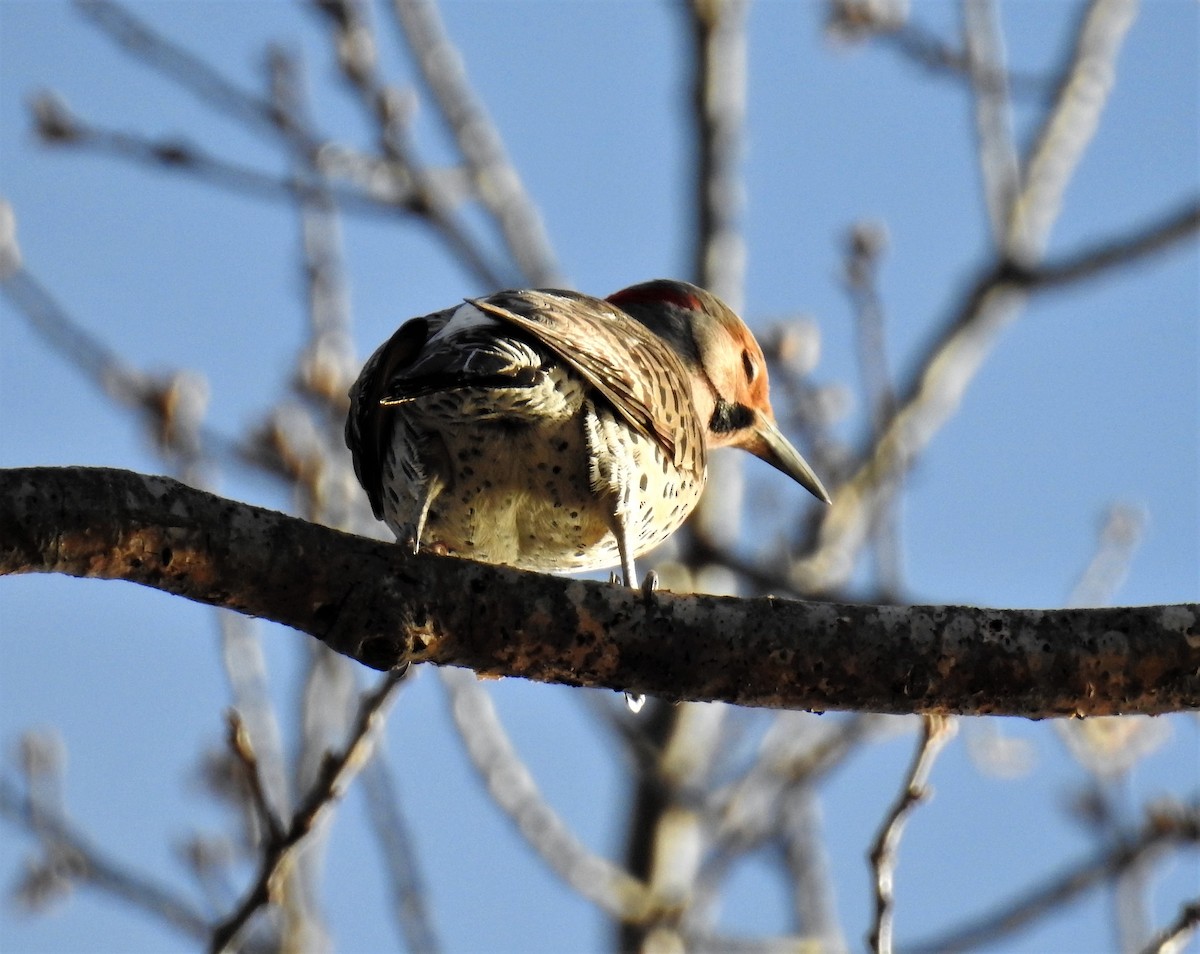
377 604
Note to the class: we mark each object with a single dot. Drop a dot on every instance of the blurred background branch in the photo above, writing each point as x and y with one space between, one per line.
703 792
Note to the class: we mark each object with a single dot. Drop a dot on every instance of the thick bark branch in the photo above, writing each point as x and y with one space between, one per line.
373 602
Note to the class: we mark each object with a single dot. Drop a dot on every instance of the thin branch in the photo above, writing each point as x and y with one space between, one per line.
325 707
864 249
1068 127
368 600
671 818
188 71
380 189
77 860
245 667
329 787
999 163
773 806
409 907
936 389
925 48
936 731
385 107
719 111
808 871
321 239
515 792
944 374
1172 827
1097 258
497 181
793 755
427 199
243 750
716 126
1120 535
170 404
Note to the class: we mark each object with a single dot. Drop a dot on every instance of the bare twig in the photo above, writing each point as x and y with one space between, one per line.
797 752
71 856
326 367
327 710
936 731
1119 251
515 792
171 405
392 831
331 783
719 111
1120 535
774 805
243 750
497 181
424 196
429 198
378 189
998 160
245 667
806 862
937 388
187 70
864 249
925 48
1068 128
1172 826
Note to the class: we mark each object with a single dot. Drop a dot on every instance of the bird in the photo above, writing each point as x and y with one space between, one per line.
550 430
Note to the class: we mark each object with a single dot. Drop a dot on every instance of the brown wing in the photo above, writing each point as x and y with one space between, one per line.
635 370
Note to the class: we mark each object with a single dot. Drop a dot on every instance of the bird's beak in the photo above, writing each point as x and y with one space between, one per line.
777 451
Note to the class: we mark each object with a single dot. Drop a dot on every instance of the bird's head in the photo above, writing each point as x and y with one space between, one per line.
727 369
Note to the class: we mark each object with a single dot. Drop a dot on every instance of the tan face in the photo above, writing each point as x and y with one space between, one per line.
733 393
727 368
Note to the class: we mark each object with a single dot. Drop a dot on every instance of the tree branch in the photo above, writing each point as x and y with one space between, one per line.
936 732
335 775
1163 829
371 601
933 392
71 856
497 182
515 792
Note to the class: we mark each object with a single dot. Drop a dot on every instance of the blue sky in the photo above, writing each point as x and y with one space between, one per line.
1089 399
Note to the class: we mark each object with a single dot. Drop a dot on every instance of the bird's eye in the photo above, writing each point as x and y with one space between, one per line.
749 366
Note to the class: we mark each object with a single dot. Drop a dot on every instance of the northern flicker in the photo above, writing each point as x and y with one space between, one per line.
552 431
